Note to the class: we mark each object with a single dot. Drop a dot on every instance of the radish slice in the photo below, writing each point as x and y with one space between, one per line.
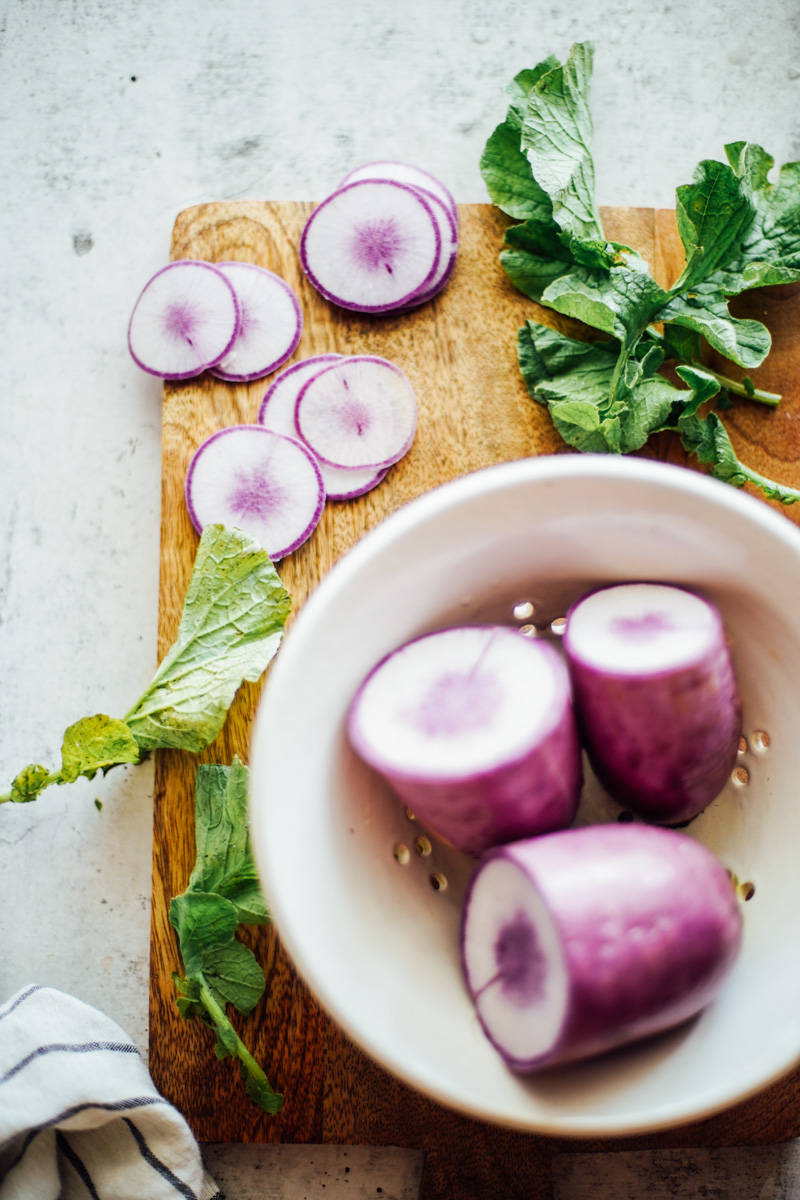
185 320
266 484
590 938
449 234
270 327
473 728
404 173
358 413
371 246
277 413
656 695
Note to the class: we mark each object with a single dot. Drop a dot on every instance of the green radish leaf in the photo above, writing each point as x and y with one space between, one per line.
233 621
202 920
705 312
557 136
29 783
234 976
224 857
713 212
96 744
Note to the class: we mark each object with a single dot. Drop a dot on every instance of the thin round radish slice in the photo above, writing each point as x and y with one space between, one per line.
425 296
371 246
358 413
277 413
656 695
185 320
473 728
404 173
587 939
264 483
270 327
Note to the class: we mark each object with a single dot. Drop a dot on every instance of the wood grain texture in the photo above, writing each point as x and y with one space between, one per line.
459 352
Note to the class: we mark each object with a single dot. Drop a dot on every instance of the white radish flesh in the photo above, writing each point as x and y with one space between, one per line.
270 326
584 940
264 483
404 173
473 728
185 320
371 246
359 413
277 413
656 696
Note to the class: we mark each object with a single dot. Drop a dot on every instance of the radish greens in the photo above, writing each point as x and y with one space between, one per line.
232 624
738 230
223 893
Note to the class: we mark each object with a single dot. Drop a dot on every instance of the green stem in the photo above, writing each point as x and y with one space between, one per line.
10 798
221 1022
773 399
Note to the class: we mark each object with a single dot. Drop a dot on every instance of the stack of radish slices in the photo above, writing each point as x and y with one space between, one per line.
235 319
328 426
385 241
573 940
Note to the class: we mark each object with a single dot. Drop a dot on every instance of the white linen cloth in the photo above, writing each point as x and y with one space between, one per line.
79 1114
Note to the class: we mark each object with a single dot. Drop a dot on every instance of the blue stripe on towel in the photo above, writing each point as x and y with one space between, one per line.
157 1164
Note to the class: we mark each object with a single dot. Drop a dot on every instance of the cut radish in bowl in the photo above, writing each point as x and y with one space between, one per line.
372 246
404 173
185 320
656 697
264 483
270 326
473 728
590 938
359 413
277 413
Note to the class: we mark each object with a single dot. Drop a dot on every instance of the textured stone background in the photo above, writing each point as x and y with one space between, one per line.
113 118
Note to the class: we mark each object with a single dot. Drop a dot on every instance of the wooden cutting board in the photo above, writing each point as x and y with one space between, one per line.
459 352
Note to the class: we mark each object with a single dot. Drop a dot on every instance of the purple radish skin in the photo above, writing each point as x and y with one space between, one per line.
270 326
584 940
277 413
400 172
358 414
473 729
185 320
371 246
656 697
260 481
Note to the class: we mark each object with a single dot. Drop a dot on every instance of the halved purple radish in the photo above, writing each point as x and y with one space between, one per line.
371 246
359 413
185 320
404 173
473 728
584 940
270 326
656 697
264 483
277 413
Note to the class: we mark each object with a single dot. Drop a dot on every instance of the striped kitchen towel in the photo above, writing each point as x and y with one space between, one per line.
79 1114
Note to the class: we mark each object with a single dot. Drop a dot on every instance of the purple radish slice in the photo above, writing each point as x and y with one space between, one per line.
404 173
424 297
264 483
473 728
371 246
581 941
359 413
656 697
270 326
185 320
277 413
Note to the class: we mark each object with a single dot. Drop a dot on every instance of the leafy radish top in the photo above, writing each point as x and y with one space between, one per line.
739 231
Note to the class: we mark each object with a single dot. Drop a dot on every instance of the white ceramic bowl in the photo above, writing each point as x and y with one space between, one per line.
373 938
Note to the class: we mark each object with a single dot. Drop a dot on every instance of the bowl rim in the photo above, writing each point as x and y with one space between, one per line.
489 480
